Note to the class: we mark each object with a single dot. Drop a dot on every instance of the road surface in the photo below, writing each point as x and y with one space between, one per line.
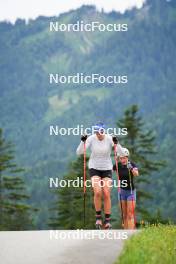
62 247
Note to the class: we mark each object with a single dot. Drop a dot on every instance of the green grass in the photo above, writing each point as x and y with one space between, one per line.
153 245
58 106
59 62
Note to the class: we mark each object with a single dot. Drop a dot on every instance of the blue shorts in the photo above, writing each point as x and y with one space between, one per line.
127 195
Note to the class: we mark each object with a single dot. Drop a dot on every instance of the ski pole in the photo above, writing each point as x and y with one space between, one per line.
133 208
118 177
84 187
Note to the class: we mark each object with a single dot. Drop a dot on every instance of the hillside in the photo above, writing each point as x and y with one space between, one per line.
29 104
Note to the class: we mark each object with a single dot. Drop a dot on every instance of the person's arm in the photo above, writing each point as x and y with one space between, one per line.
135 172
115 141
133 168
80 148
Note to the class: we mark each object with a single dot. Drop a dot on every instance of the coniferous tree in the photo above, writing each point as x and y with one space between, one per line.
69 208
14 213
142 147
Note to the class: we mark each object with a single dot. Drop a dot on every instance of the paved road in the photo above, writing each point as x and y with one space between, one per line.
62 247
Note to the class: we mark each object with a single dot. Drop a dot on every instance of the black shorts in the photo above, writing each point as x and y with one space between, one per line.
100 173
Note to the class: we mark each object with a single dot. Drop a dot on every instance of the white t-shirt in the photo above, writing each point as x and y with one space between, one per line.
100 158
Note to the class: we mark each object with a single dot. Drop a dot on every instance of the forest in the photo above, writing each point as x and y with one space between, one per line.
29 104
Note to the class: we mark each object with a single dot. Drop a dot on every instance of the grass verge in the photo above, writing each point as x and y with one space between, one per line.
153 245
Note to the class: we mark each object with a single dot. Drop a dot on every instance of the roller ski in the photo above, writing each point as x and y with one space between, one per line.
98 224
107 225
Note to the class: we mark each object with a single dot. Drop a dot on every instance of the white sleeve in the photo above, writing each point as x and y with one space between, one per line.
119 150
80 148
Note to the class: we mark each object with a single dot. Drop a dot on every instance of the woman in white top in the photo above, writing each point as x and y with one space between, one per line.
100 170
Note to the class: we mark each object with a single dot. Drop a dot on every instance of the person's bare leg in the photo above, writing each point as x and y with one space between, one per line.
124 213
107 184
130 214
97 189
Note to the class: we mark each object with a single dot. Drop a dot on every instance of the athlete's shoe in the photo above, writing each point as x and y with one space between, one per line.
98 224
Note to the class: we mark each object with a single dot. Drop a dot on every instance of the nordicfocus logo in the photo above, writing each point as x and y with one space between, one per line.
81 26
81 130
79 183
81 78
81 234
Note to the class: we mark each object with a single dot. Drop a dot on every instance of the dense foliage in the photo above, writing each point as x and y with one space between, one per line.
15 213
29 104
